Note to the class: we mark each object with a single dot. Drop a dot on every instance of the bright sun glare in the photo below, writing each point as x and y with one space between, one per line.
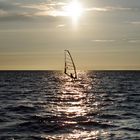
74 10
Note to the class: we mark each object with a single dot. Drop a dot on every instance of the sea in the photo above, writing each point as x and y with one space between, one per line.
48 105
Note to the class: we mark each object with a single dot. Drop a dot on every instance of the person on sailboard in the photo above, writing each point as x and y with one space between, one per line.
71 75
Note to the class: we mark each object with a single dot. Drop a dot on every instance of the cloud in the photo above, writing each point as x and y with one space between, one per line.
22 10
103 41
12 12
135 22
134 41
41 7
120 8
19 11
60 26
96 9
5 6
107 9
16 17
46 9
3 13
44 6
54 13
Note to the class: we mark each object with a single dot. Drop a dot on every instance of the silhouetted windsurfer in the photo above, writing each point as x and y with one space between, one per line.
71 75
69 69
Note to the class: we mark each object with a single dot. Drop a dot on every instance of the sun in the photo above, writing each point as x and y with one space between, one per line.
74 10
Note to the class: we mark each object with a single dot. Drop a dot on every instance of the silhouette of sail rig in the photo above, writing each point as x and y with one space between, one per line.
70 69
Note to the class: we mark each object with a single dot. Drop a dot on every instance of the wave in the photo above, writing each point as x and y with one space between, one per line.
21 109
110 116
130 129
37 104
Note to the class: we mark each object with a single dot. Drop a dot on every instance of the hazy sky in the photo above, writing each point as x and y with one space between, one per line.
100 34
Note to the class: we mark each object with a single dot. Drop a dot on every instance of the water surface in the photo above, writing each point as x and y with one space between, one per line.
42 105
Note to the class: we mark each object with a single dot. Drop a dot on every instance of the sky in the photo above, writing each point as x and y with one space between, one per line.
100 34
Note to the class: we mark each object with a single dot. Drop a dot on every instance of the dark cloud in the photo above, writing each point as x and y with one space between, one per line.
5 6
15 17
41 10
112 3
23 10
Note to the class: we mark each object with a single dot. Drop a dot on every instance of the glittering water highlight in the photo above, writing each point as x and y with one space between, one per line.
46 105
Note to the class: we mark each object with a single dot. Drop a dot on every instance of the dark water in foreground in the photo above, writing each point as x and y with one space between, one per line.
48 105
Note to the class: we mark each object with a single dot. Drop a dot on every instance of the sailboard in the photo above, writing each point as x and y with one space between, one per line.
69 69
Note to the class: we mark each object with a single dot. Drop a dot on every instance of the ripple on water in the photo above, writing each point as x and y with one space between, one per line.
48 105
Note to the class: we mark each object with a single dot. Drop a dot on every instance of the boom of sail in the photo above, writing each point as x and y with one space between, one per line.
70 68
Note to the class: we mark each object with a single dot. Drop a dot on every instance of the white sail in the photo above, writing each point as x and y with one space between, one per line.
70 68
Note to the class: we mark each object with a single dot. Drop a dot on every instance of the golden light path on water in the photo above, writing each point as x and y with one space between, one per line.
73 108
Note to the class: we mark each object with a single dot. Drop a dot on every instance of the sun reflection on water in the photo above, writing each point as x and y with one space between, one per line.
75 103
74 106
74 93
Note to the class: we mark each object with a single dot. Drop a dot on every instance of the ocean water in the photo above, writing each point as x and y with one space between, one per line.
47 105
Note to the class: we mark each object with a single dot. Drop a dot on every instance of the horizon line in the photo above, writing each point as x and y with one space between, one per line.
77 70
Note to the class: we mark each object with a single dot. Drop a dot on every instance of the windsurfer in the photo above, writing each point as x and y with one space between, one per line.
71 75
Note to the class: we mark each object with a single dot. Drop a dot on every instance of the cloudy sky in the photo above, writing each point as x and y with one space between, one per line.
100 34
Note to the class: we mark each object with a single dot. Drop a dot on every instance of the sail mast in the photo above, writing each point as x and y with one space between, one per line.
65 64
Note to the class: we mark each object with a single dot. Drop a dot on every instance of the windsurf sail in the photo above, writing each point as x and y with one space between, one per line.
70 68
